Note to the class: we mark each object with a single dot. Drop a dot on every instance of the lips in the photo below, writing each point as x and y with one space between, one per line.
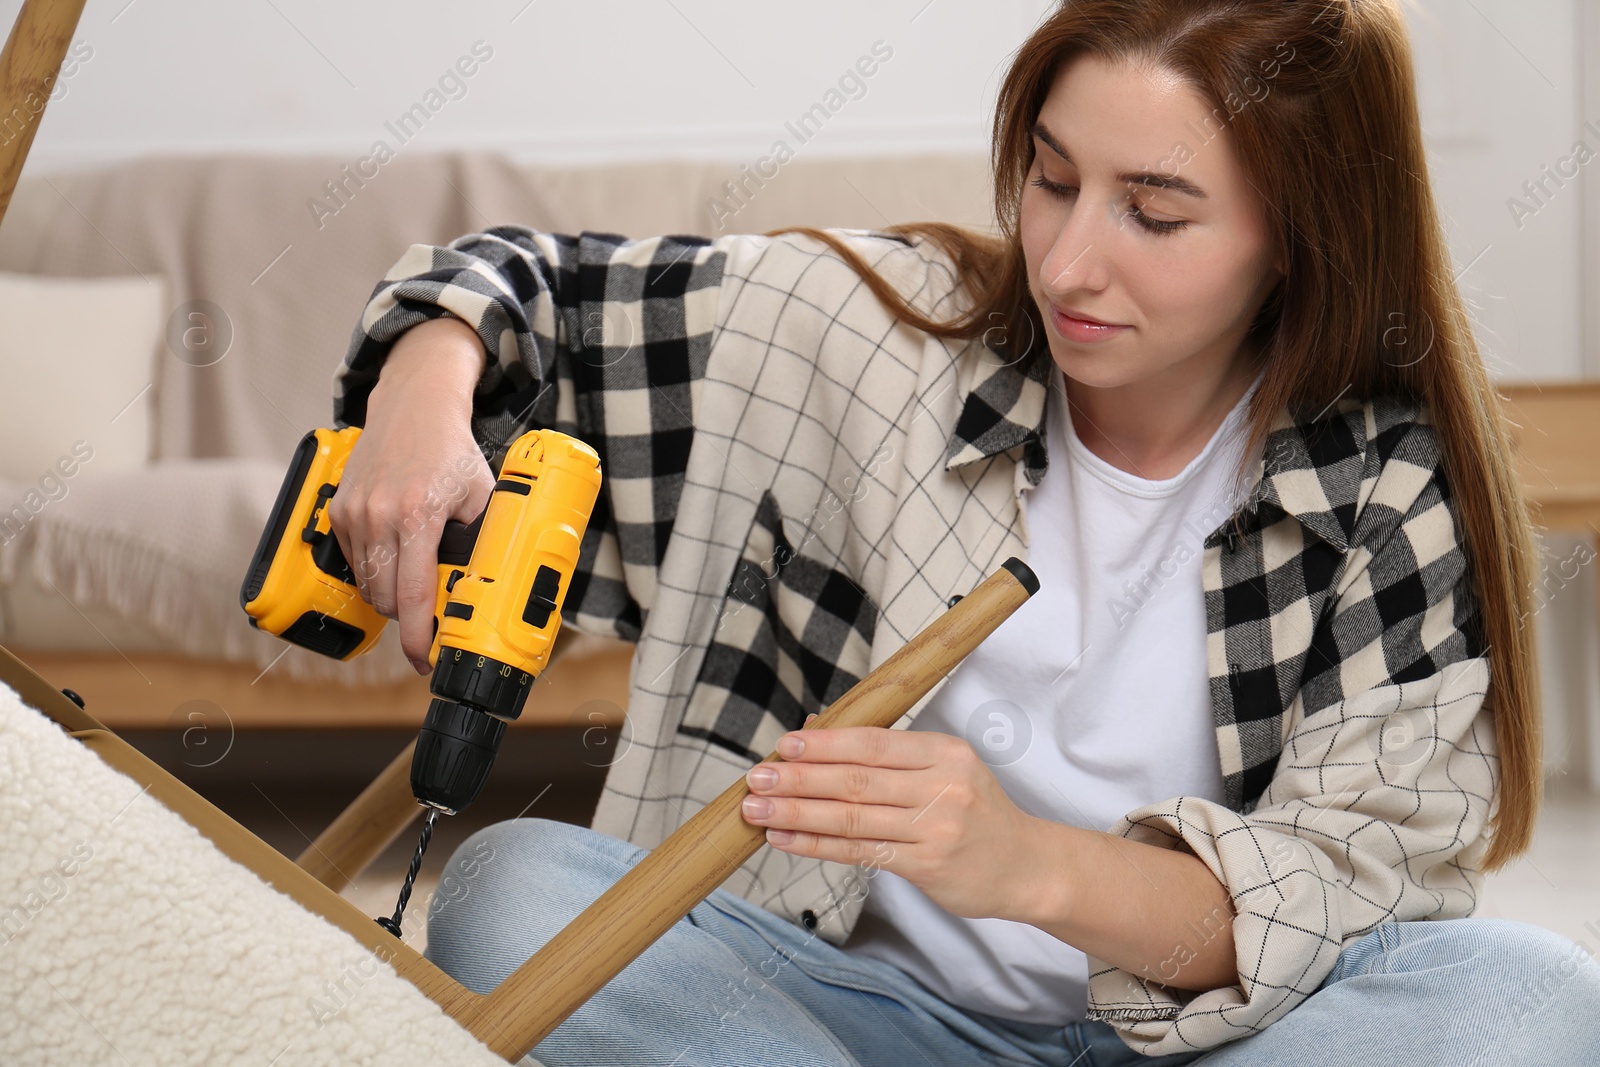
1084 318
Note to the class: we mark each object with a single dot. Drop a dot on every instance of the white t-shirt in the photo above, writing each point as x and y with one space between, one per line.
1091 700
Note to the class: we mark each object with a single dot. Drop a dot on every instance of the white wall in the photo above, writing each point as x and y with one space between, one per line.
1499 87
601 79
717 79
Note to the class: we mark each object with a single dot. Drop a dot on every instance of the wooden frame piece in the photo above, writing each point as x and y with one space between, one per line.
28 65
380 813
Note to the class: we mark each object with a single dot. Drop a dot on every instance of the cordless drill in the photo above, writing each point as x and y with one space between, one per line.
501 582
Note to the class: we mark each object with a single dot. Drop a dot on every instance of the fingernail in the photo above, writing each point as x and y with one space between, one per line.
762 777
757 807
420 666
790 746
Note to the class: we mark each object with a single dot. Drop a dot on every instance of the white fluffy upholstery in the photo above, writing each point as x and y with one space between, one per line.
126 936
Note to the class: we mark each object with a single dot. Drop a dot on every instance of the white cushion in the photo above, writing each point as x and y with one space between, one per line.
80 357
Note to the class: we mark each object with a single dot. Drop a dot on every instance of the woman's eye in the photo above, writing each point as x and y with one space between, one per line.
1053 188
1061 190
1154 225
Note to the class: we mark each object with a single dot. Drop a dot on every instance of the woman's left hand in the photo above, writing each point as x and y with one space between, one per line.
917 803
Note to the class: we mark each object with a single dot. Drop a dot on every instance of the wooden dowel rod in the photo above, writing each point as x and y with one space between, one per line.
699 856
363 830
28 66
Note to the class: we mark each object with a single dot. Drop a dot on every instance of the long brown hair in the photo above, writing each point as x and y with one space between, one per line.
1334 146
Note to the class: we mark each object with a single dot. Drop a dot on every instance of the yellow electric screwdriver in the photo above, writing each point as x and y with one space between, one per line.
502 581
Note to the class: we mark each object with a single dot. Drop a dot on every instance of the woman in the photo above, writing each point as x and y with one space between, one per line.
1193 800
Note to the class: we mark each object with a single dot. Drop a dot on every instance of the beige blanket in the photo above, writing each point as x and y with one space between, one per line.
167 548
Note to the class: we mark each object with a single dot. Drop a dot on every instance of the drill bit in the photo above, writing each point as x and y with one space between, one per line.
393 924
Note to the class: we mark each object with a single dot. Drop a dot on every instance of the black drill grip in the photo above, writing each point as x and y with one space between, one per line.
454 753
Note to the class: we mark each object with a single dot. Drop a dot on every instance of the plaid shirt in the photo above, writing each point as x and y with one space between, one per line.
796 483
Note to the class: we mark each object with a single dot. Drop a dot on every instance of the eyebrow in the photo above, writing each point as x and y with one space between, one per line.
1143 177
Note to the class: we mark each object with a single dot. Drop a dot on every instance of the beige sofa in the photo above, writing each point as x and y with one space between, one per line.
125 589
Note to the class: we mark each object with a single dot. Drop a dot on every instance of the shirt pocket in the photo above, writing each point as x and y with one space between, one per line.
793 634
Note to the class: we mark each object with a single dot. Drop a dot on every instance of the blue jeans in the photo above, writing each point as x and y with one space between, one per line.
732 983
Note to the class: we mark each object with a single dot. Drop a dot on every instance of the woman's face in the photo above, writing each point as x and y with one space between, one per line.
1130 216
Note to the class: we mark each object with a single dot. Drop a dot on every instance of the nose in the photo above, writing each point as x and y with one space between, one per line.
1078 259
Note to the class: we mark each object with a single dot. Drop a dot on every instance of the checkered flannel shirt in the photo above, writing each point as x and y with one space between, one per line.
795 483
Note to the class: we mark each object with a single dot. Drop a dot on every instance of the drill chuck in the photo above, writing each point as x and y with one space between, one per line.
484 682
473 696
454 753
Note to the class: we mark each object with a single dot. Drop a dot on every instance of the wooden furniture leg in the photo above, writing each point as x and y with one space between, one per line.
28 66
378 815
699 856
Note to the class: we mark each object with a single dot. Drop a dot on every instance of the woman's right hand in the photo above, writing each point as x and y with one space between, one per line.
415 465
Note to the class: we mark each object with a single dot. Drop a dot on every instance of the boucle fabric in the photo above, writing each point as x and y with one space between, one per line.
127 937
